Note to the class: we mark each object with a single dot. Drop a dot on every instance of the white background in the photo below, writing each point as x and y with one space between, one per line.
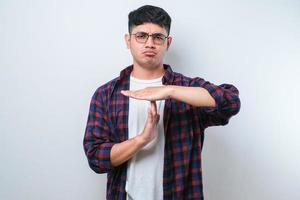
55 53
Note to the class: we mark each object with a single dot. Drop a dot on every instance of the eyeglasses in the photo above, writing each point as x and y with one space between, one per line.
142 37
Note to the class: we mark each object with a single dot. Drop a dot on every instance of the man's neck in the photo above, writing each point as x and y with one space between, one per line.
147 73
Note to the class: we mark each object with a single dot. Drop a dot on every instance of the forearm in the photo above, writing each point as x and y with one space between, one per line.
195 96
124 151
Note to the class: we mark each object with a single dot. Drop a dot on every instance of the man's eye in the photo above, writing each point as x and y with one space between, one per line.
159 37
141 36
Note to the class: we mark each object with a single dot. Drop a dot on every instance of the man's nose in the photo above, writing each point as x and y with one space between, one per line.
150 42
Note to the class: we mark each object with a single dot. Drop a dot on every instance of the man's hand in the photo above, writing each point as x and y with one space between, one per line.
195 96
150 130
150 93
121 152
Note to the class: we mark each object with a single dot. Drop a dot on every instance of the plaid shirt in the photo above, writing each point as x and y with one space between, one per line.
184 127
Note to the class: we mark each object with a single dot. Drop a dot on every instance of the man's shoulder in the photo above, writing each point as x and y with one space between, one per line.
107 87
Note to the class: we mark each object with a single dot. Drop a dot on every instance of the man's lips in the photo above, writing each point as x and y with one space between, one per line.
149 53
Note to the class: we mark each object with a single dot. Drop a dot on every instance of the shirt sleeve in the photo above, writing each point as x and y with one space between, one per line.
97 143
227 101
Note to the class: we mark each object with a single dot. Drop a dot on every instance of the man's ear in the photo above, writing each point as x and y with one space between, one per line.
169 41
127 40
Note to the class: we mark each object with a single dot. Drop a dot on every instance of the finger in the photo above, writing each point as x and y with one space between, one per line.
125 92
131 93
150 115
153 107
140 94
157 118
134 94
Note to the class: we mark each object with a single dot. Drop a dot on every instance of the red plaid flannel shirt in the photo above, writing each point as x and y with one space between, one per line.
184 127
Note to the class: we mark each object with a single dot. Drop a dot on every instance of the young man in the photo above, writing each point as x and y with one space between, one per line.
146 127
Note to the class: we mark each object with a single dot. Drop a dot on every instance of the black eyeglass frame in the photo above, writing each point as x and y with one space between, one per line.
153 37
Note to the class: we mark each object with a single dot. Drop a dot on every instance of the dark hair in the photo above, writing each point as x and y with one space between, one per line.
149 14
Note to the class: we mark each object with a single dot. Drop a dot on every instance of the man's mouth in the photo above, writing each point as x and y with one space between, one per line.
149 53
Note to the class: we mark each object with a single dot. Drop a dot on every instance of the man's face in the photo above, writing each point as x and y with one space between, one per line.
149 52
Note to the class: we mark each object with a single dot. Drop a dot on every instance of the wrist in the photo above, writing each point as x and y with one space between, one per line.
170 91
140 140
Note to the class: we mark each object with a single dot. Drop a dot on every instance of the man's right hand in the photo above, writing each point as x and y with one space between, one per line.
124 151
150 130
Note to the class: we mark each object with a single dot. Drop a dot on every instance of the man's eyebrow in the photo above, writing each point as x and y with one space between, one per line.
150 33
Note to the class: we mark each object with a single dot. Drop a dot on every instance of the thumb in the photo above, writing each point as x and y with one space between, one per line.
157 118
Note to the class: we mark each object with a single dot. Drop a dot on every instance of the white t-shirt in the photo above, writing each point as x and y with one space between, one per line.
145 169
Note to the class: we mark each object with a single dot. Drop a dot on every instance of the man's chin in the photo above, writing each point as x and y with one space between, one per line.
151 65
148 63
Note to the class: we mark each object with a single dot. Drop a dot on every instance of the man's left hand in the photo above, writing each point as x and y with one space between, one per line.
149 93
